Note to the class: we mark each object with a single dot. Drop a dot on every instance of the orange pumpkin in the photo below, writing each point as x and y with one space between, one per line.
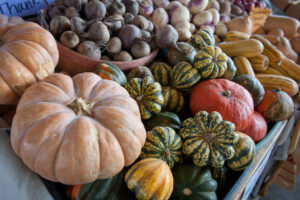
28 53
231 100
76 130
257 128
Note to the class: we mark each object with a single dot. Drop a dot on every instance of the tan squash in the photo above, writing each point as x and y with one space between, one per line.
28 53
235 36
243 66
259 63
76 130
290 68
242 24
285 47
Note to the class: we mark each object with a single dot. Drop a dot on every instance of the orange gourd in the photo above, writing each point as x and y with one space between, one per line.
257 128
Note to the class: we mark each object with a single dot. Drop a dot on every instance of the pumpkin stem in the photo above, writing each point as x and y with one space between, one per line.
227 93
139 98
81 107
166 152
187 191
209 137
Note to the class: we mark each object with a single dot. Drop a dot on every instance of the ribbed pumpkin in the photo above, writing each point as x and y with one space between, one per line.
150 178
77 130
231 100
184 76
244 155
231 69
148 95
208 139
257 129
211 62
163 119
253 85
28 54
276 105
162 73
163 143
111 72
193 183
202 39
173 100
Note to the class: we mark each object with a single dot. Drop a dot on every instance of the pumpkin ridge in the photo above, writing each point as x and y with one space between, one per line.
156 192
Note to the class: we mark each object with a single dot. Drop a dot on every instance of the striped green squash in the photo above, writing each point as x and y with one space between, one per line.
163 143
193 183
244 155
230 72
208 139
109 71
211 62
162 73
173 100
201 39
148 95
184 76
163 119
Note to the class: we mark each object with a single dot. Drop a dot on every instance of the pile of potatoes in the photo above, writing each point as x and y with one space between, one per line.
102 29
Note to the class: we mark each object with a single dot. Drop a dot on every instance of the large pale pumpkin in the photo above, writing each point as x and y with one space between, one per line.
27 53
76 130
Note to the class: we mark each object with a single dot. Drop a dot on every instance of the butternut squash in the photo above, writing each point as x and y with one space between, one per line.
242 24
235 36
248 48
259 63
274 55
290 68
272 38
296 44
243 66
273 71
260 31
286 84
276 32
285 47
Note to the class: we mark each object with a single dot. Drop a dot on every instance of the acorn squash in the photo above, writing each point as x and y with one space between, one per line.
230 72
110 71
161 72
201 39
173 100
163 119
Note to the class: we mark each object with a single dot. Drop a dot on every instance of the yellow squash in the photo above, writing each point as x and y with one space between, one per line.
259 63
290 68
243 66
235 36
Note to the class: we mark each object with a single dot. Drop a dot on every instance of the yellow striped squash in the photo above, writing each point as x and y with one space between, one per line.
286 84
243 66
274 55
211 62
235 36
173 99
161 72
271 70
150 178
259 63
231 69
244 155
208 139
290 68
248 48
201 39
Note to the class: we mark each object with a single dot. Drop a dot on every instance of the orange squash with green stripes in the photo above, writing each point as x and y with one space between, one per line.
109 71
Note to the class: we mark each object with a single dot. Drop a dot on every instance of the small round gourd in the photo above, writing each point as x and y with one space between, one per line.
192 182
110 71
168 119
150 178
244 155
163 143
208 139
186 54
162 72
173 100
201 39
148 95
211 62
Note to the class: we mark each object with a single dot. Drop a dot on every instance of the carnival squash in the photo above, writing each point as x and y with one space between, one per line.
192 182
276 105
253 85
150 178
76 130
148 95
163 143
201 39
173 100
208 139
211 62
28 54
257 129
245 151
168 119
184 76
162 73
231 100
111 72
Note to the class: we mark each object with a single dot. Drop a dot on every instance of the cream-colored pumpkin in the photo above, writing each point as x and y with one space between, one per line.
76 130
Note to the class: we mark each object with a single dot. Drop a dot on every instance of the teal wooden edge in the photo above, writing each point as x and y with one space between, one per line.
245 172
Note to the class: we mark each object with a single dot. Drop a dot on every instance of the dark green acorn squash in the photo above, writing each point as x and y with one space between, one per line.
201 39
109 71
208 139
173 100
193 183
163 119
148 95
163 143
186 54
231 69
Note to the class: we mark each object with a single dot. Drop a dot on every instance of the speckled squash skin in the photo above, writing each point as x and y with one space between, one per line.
148 95
245 152
150 178
162 73
111 72
211 62
193 183
173 100
208 139
202 39
163 143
